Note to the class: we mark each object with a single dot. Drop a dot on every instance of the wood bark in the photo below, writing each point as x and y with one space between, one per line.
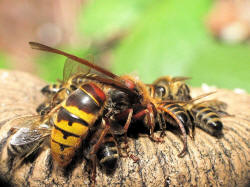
209 162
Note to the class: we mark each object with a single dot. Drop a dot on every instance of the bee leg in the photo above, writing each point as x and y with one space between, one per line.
184 134
133 157
125 114
93 171
193 129
95 149
126 126
128 113
103 134
162 124
151 121
149 114
118 147
191 122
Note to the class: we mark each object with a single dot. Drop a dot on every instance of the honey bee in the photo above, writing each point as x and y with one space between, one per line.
207 116
166 91
170 88
181 111
51 89
176 97
28 133
107 154
44 107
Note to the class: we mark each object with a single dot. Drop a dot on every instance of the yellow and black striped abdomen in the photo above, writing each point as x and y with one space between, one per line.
108 154
73 120
207 119
179 111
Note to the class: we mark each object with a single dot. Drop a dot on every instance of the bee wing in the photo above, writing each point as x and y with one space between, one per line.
34 123
25 142
180 78
114 79
201 96
29 121
28 136
38 46
217 106
168 80
72 67
189 101
29 132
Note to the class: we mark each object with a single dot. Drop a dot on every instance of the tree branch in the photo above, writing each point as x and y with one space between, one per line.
210 161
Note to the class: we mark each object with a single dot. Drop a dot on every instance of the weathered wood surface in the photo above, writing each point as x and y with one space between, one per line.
210 161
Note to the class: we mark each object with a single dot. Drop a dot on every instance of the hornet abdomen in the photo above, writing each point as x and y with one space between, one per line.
76 116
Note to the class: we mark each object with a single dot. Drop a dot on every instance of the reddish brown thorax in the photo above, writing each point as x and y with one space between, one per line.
96 91
130 84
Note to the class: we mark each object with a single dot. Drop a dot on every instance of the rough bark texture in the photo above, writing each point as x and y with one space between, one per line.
210 161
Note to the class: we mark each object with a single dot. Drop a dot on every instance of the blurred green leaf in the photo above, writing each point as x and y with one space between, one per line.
100 19
171 39
165 38
51 65
222 65
4 61
165 41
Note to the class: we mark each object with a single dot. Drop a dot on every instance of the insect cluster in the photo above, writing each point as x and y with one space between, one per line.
91 108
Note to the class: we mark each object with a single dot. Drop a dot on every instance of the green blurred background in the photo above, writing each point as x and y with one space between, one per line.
144 37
